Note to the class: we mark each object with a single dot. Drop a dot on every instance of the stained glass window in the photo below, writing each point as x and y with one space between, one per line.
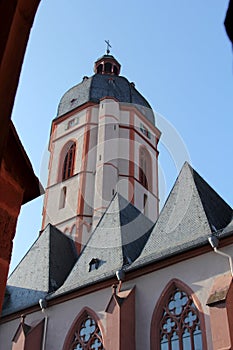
180 324
87 335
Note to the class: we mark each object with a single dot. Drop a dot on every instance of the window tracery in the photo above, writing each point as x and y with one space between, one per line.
87 335
179 326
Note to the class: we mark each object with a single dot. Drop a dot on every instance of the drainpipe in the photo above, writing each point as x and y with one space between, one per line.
43 305
120 274
214 241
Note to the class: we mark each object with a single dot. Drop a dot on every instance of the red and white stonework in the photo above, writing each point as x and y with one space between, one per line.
109 271
115 150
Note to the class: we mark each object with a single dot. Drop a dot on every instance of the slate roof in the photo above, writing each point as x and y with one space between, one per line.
227 230
42 270
117 241
124 238
192 212
94 88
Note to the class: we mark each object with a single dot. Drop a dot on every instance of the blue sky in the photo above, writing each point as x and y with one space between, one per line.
175 51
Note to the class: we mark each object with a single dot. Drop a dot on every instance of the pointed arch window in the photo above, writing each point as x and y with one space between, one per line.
145 168
178 324
68 163
86 334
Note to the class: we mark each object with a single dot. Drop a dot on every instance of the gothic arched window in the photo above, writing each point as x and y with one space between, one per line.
178 324
68 163
145 168
86 334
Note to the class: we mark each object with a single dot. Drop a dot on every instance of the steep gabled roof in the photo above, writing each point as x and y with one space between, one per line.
124 238
191 213
42 270
117 241
53 255
217 211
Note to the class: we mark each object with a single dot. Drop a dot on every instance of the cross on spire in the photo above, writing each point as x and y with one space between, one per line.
108 47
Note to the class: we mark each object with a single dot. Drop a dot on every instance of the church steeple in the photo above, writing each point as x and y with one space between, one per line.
104 140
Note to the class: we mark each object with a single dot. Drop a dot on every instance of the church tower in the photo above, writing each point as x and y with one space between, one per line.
103 140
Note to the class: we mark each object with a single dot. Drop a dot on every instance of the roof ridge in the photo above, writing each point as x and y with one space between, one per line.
95 229
28 251
185 219
212 201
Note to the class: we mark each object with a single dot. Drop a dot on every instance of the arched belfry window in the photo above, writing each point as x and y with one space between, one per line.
145 168
176 323
100 68
68 161
108 67
85 334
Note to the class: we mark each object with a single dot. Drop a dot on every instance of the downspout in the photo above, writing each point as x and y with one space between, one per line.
43 305
227 256
214 241
45 332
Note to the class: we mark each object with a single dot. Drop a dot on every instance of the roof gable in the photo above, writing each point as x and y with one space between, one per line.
218 212
191 213
47 263
42 270
117 241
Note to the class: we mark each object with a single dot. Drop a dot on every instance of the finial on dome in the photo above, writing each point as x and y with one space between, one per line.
108 47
